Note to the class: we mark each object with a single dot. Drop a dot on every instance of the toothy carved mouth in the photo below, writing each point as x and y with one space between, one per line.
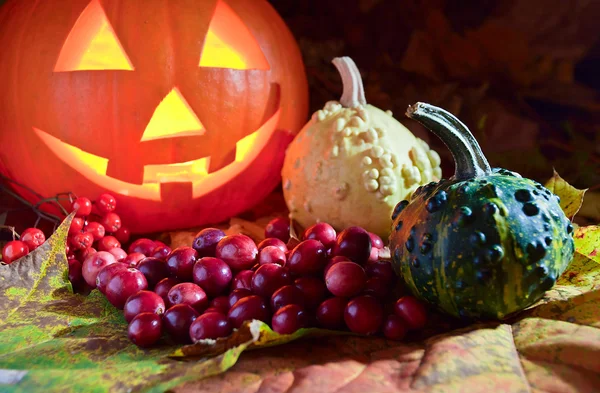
196 172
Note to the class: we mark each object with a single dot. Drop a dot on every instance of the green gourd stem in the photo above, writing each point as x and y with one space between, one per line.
469 159
353 94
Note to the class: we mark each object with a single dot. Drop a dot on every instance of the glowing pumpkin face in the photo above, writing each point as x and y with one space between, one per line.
182 109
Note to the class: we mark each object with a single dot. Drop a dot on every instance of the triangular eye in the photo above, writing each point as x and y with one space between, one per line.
230 44
92 44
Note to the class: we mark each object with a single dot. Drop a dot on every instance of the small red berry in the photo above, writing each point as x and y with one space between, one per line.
96 229
106 203
82 206
123 234
108 242
412 311
76 226
14 250
111 222
33 237
81 241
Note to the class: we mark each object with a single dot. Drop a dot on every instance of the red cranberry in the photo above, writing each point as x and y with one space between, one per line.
33 237
153 269
82 206
330 313
248 308
394 327
288 294
124 284
238 251
307 258
143 301
272 241
382 270
75 275
96 229
376 241
163 287
177 321
213 275
412 311
242 279
76 226
107 273
145 329
123 234
377 287
314 291
354 243
106 203
81 241
271 254
111 222
279 228
364 315
143 245
288 319
93 264
188 293
108 242
322 232
118 253
161 252
81 255
332 261
345 279
181 263
236 295
220 303
205 242
269 278
133 259
210 325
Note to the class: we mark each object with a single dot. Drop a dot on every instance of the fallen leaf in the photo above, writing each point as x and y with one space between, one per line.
571 198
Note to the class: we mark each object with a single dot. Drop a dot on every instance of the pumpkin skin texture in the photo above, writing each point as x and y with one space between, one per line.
480 246
186 123
352 162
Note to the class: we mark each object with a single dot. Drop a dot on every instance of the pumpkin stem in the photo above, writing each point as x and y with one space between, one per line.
354 93
469 159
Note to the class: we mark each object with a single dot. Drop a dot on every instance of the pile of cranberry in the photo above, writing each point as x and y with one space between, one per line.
327 280
95 226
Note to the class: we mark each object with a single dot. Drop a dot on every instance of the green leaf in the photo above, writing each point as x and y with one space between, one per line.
52 340
571 198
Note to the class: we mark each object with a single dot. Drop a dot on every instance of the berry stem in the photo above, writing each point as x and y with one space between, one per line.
468 157
15 235
353 94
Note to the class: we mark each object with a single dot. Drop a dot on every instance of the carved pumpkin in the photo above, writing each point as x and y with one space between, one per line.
183 109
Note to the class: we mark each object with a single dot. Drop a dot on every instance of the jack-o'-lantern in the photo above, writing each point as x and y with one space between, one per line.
182 109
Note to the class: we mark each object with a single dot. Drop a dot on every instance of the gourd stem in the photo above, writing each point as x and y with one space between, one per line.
469 159
353 94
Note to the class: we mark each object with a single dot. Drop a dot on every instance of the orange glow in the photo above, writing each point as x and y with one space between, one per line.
184 172
92 44
173 117
94 168
230 44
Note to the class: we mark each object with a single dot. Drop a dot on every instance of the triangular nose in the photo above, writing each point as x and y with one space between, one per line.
173 117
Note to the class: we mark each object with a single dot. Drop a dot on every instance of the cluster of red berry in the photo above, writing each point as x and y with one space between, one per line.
30 239
329 280
95 227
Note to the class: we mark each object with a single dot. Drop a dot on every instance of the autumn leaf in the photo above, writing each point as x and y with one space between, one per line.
571 198
53 340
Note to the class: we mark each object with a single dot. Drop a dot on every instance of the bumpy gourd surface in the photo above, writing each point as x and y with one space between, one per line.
349 166
481 248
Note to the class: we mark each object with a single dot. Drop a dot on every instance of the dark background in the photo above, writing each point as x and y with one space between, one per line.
522 74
